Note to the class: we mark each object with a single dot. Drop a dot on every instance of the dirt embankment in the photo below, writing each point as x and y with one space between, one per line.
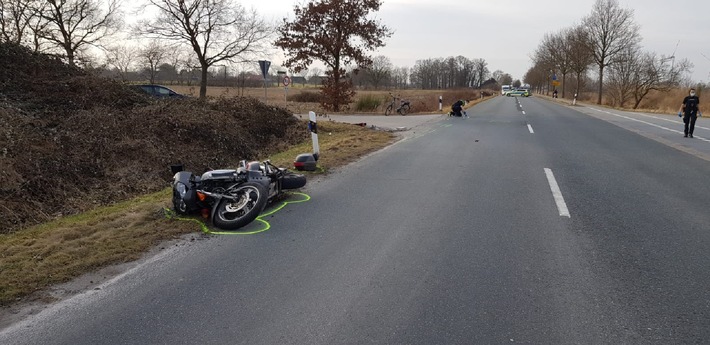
70 141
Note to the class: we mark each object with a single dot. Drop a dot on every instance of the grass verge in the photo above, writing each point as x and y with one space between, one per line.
36 258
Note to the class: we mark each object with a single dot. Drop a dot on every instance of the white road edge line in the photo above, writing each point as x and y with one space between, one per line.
530 129
648 123
557 194
668 120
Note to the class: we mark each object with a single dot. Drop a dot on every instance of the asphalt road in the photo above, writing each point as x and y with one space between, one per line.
454 235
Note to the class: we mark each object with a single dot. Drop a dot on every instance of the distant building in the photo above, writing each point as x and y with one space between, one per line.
298 80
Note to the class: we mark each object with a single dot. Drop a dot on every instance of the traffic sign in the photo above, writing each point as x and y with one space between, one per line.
264 67
287 81
555 83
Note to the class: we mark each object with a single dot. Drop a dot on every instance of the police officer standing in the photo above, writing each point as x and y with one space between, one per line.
689 111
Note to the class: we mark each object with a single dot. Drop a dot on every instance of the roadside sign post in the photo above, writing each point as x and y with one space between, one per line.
314 133
264 65
287 82
441 100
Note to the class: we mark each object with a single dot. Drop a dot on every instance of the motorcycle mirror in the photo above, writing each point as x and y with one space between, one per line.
176 168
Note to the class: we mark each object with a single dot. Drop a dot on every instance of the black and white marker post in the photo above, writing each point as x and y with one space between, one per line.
313 127
307 161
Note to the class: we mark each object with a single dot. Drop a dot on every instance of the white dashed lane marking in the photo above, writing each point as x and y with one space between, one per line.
557 194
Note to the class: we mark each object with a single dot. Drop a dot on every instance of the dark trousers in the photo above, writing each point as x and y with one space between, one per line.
689 120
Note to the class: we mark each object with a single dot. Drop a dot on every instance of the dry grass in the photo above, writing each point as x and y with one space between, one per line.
38 257
340 144
55 252
655 102
422 101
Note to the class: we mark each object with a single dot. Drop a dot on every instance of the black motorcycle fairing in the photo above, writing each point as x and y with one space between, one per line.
184 190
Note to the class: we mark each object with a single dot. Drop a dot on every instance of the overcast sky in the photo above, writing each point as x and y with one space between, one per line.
506 33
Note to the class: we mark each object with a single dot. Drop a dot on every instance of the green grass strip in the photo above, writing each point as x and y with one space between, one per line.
264 224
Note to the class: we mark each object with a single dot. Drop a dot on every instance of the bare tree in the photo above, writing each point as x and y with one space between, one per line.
73 25
168 72
481 71
121 57
539 76
429 74
217 31
466 72
506 79
152 56
14 19
579 57
623 76
175 59
555 50
451 72
400 77
611 30
21 22
636 74
656 73
497 74
380 71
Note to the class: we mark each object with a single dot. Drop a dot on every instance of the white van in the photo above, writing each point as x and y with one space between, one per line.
505 88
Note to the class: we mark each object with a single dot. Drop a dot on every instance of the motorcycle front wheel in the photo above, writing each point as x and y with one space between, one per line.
250 200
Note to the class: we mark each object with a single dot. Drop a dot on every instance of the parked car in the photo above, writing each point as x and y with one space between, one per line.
505 89
158 91
522 93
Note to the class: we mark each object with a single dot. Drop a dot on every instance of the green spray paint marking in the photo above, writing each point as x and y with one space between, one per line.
264 224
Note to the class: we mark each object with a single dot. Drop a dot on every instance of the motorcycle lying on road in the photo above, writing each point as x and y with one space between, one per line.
230 198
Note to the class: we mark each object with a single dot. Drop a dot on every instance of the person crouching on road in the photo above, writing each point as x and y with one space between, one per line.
457 107
689 108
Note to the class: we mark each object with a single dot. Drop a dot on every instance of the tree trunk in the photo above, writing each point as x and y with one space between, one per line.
203 82
564 84
70 56
640 98
601 84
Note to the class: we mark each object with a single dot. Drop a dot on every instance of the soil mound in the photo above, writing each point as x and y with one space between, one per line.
70 141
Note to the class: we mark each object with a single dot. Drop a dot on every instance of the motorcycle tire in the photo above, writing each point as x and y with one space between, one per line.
293 181
179 205
231 215
388 110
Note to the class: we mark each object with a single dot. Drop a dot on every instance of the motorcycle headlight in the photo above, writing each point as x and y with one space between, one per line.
181 189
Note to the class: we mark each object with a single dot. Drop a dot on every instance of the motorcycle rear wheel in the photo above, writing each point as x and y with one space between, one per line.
234 214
